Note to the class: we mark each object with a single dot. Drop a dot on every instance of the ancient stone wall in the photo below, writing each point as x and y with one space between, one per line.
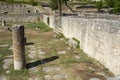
99 38
21 18
54 21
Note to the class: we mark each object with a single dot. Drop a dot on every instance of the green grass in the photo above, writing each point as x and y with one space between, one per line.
18 75
41 40
41 26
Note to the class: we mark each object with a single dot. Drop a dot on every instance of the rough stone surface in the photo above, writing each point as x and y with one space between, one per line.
94 79
61 52
47 77
31 55
60 76
3 77
33 70
72 43
99 38
51 69
114 78
7 63
34 78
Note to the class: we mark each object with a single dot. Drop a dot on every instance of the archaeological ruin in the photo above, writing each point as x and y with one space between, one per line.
97 34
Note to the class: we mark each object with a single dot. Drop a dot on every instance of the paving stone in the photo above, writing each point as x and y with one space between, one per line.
94 79
61 52
34 78
6 45
32 51
3 77
7 63
51 69
33 70
60 76
40 52
32 55
47 77
31 46
114 78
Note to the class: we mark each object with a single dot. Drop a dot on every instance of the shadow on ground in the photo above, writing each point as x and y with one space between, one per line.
29 43
39 62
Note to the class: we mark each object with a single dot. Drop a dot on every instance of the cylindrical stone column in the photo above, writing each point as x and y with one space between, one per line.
18 47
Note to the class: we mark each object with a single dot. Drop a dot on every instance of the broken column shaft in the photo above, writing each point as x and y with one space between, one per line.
18 47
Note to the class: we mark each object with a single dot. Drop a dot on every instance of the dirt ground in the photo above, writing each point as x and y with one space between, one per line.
50 58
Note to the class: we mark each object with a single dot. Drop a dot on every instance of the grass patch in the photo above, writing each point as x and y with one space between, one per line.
41 26
78 46
18 75
60 35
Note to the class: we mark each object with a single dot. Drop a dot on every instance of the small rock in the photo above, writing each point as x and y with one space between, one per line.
32 55
110 78
47 77
34 78
91 69
94 79
72 43
33 70
8 72
60 76
3 77
40 52
61 52
114 78
7 63
51 69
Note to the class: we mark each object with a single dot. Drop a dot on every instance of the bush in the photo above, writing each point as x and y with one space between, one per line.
99 4
116 8
32 2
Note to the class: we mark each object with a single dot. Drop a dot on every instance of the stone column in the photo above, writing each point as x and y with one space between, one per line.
3 23
18 47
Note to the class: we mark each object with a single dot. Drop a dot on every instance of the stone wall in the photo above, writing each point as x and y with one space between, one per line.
21 18
54 21
99 38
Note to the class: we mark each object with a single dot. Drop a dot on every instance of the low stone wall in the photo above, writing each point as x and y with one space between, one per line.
21 18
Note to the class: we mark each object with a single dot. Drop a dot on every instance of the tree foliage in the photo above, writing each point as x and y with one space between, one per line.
57 5
110 3
116 8
99 4
32 2
115 4
54 4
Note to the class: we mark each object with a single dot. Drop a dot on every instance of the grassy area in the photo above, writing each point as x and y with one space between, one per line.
40 25
75 68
